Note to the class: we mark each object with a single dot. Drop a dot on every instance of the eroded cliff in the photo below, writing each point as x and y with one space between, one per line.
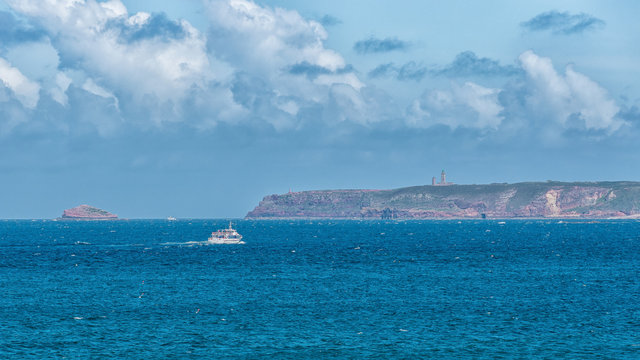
548 199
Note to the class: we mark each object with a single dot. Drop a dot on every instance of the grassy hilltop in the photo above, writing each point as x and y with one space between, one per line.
530 199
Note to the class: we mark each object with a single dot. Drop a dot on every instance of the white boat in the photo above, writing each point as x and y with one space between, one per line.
225 236
171 218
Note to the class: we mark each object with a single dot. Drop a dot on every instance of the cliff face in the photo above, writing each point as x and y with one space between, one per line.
86 212
549 199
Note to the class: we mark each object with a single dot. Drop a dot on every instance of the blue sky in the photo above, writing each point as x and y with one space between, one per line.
199 108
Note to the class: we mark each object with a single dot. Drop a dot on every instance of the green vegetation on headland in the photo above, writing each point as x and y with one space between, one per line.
610 199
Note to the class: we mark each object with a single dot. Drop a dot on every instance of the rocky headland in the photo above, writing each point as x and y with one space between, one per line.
86 212
550 199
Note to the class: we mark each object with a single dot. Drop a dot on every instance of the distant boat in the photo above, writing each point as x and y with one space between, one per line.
225 236
171 218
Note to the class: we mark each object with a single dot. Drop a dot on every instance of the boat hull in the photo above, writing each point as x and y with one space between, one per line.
223 241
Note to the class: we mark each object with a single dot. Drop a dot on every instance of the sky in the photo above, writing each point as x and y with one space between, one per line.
200 108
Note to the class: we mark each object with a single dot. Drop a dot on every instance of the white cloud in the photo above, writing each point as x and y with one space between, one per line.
469 105
484 101
40 61
596 108
153 69
59 9
25 90
139 19
91 87
562 98
114 8
349 79
262 38
289 107
347 105
59 91
37 60
264 44
88 34
166 70
545 100
262 64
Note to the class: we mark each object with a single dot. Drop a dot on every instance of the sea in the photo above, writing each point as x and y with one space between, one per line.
320 289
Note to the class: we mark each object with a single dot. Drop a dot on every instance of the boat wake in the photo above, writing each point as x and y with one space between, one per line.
195 243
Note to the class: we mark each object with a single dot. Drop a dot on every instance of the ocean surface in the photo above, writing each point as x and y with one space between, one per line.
138 289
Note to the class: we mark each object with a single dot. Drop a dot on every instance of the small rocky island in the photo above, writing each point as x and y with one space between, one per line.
86 212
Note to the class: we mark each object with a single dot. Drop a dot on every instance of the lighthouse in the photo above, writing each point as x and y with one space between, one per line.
443 180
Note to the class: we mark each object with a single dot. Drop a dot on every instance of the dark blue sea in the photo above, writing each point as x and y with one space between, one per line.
320 290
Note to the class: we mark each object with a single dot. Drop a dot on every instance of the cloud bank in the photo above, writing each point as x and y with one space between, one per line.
467 64
374 45
329 20
255 64
469 105
406 72
542 101
25 90
14 30
106 70
571 100
563 23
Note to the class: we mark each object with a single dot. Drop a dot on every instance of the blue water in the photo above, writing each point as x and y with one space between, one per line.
320 289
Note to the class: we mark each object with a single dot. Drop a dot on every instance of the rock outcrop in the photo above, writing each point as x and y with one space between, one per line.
86 212
521 200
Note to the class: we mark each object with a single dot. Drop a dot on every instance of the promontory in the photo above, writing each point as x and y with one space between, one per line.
551 199
86 212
